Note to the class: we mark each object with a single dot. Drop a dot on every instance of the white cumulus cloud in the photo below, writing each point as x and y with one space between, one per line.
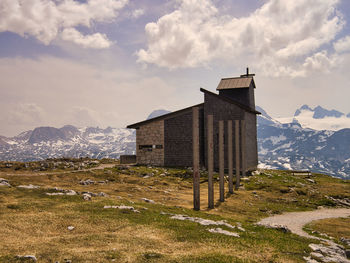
283 36
47 19
96 40
137 13
342 44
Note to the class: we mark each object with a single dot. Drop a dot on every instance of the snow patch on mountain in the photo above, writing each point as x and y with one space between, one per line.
318 118
292 147
69 141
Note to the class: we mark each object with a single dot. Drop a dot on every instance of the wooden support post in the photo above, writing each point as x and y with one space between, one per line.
210 162
237 153
221 161
244 161
195 142
229 156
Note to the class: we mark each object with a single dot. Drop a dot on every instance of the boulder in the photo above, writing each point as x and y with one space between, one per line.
87 182
87 197
282 228
25 257
148 200
4 182
30 186
224 232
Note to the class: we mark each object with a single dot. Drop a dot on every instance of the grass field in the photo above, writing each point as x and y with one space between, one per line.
34 223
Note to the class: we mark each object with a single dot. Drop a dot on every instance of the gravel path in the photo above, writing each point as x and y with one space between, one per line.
295 221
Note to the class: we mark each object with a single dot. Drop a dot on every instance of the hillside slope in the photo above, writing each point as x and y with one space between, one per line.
144 214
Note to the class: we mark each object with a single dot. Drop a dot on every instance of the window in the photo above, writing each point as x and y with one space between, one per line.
149 147
145 147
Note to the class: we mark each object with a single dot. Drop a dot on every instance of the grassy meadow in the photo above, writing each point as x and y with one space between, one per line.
34 223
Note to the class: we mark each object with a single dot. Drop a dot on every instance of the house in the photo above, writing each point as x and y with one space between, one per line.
167 140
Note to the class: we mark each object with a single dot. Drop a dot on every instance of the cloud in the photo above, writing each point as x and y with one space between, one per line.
64 91
320 62
25 113
280 35
137 13
83 116
96 40
342 45
47 19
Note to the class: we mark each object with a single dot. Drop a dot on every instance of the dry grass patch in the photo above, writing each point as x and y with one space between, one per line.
334 227
34 223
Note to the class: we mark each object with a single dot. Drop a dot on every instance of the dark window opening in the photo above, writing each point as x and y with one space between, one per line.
145 147
149 147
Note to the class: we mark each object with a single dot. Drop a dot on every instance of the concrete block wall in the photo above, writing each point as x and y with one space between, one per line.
178 140
150 134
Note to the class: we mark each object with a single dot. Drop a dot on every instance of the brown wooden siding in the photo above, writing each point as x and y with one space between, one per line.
221 110
251 141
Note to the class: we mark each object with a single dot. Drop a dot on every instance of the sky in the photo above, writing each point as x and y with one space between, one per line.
112 62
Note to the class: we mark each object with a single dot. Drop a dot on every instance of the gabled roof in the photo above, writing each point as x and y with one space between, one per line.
162 117
242 106
235 83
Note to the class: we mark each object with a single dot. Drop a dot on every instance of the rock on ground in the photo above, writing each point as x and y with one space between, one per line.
280 227
30 186
87 197
331 252
148 200
224 232
4 182
30 257
201 221
122 207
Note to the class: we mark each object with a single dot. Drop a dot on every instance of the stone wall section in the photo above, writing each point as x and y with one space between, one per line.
150 134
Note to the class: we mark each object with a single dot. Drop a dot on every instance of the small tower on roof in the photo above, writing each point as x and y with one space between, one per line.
240 89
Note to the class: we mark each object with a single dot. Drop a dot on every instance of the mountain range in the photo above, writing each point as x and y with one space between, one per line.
49 142
319 118
290 145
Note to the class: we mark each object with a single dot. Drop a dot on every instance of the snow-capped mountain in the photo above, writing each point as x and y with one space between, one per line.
290 146
68 141
319 118
157 113
280 145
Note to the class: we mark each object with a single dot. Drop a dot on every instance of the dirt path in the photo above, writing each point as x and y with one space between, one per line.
100 167
295 221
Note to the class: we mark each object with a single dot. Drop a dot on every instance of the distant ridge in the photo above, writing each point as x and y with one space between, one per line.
68 141
319 118
319 112
157 113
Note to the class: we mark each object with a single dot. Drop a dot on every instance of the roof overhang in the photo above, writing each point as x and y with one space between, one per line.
163 117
